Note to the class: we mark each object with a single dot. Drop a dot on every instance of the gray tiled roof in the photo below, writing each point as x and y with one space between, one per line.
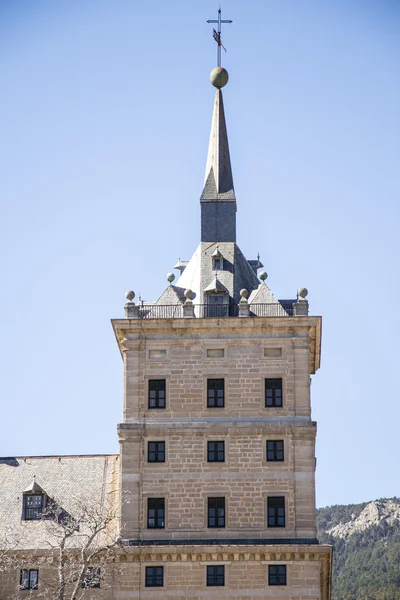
218 182
172 295
69 480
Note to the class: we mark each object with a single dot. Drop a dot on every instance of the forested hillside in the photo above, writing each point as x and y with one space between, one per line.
366 545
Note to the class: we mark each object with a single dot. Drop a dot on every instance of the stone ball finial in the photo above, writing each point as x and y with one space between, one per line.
219 77
263 275
244 293
302 292
170 277
188 294
129 295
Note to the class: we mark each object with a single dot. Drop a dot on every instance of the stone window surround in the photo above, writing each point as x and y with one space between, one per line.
147 377
278 563
143 575
224 575
275 375
216 462
285 495
276 438
215 409
146 498
155 439
208 495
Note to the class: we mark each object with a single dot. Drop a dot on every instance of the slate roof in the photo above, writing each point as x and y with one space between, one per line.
69 480
218 181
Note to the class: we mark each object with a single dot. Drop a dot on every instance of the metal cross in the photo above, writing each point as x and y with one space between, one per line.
217 34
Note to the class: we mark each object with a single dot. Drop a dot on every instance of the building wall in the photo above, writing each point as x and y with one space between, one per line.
182 356
185 567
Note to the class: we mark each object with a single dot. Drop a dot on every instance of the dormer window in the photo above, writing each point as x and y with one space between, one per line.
33 506
34 502
218 264
217 260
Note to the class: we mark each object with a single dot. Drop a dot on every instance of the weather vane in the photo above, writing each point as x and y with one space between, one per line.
217 34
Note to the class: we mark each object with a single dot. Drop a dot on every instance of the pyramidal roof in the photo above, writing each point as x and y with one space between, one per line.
218 181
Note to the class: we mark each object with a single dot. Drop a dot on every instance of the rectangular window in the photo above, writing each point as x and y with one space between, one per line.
157 393
156 452
276 574
91 578
275 450
216 512
273 392
154 576
29 579
33 506
155 513
216 451
216 575
218 264
276 511
215 393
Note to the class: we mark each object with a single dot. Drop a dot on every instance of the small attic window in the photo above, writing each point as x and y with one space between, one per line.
218 264
34 502
33 506
217 260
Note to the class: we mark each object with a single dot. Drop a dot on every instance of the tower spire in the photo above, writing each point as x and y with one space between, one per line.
218 200
218 181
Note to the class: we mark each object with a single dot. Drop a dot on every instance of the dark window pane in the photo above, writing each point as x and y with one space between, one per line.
277 575
156 452
216 451
275 450
216 512
215 393
276 511
216 575
155 513
29 579
33 506
273 392
154 576
157 392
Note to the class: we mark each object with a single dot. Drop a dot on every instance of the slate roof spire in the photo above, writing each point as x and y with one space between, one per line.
218 200
218 181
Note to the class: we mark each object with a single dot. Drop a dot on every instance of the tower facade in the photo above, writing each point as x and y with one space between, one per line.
217 442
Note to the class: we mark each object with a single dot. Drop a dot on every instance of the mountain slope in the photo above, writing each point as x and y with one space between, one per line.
366 545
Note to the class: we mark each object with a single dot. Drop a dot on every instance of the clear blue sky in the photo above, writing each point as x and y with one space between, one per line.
104 122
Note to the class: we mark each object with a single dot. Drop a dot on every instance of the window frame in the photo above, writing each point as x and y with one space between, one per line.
275 451
215 579
159 504
276 516
214 387
151 580
216 503
92 578
218 263
156 452
157 399
275 579
35 510
29 586
274 397
216 452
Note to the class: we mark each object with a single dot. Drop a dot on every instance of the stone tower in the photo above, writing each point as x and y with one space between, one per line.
217 441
